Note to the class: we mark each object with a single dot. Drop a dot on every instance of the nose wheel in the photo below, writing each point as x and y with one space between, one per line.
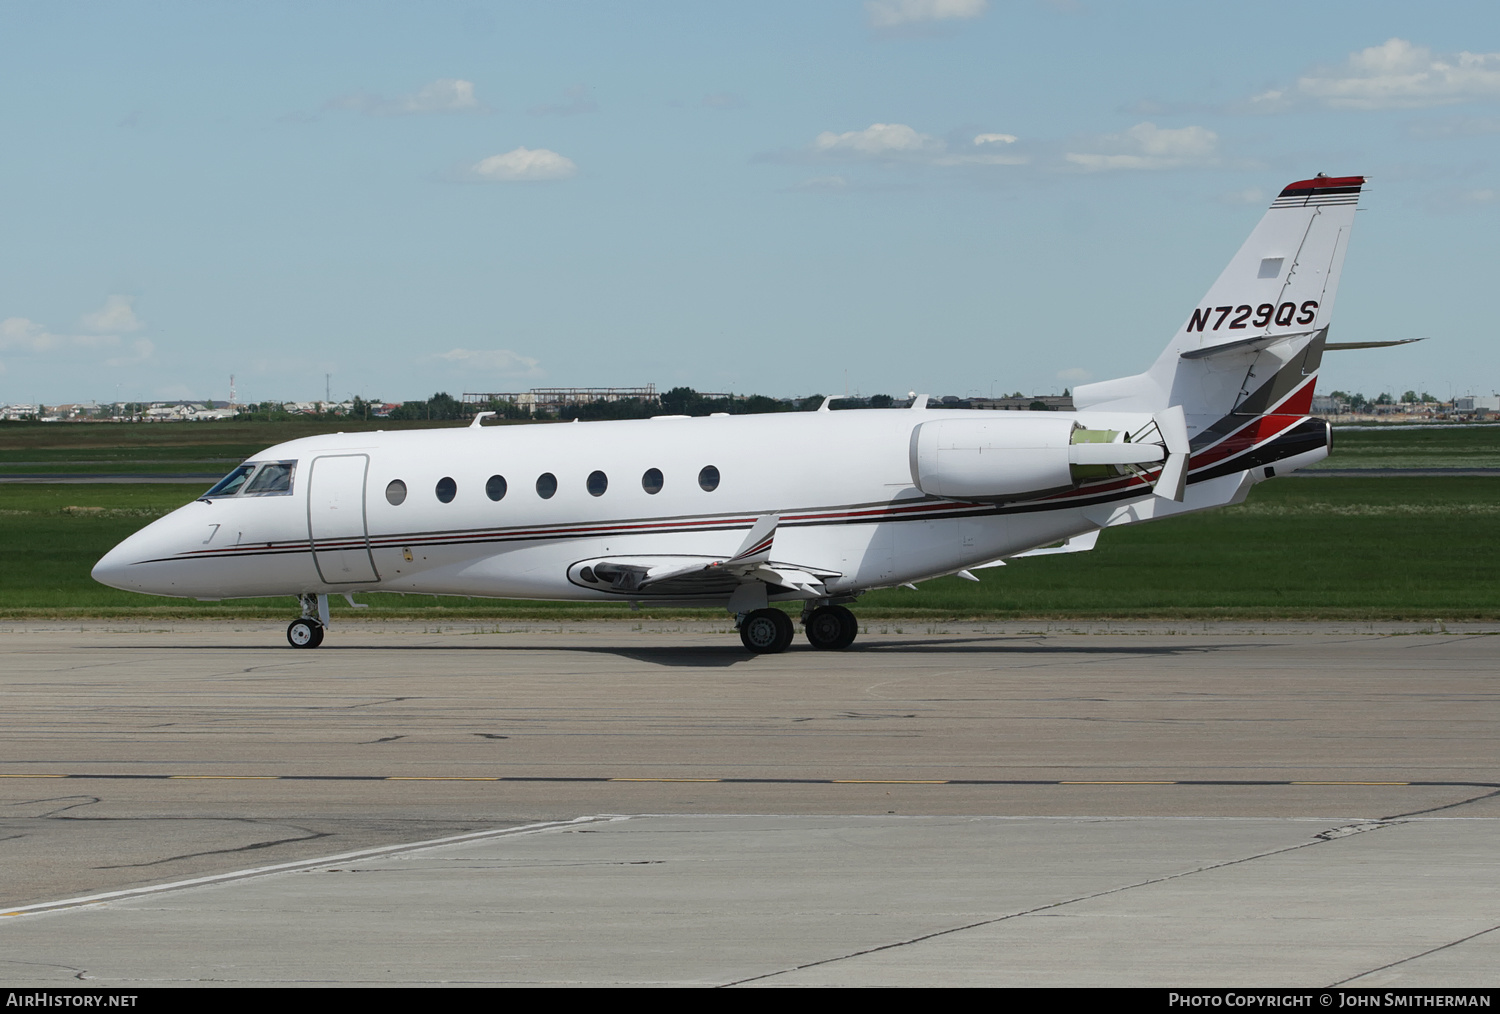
307 630
304 633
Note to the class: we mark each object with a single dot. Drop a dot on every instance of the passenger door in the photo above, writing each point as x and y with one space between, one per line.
336 519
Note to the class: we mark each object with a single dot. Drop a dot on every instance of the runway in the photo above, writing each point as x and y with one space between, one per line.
984 803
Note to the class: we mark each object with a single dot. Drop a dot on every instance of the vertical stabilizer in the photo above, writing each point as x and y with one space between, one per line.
1252 345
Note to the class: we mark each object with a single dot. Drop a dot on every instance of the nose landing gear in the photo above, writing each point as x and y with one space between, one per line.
304 633
307 630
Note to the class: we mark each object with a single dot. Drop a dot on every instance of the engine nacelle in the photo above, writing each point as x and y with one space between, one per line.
1015 457
1018 457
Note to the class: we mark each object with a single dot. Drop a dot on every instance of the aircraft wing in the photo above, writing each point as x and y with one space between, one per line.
1077 544
695 576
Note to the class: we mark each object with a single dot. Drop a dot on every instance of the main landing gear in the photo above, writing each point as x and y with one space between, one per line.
306 631
767 631
830 627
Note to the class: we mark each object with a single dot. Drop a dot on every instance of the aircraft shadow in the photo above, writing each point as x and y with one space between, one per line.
731 654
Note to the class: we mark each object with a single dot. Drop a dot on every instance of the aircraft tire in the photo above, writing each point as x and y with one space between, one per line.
767 631
830 628
304 633
851 627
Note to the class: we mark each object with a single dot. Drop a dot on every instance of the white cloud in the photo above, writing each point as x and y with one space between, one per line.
445 95
1147 146
1396 74
893 143
523 165
895 13
115 316
495 361
878 140
29 336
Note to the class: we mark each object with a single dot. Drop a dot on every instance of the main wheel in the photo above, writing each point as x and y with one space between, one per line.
831 628
304 633
766 631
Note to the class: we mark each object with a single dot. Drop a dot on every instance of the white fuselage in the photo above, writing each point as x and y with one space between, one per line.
840 482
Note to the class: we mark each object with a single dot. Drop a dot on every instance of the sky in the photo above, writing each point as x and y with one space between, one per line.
966 197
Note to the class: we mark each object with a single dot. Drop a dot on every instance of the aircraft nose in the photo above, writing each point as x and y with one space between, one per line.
114 566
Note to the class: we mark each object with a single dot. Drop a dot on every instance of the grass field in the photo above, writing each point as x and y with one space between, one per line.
216 447
1335 548
1414 447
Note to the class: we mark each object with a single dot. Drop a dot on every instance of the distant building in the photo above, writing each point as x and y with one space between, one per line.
1025 403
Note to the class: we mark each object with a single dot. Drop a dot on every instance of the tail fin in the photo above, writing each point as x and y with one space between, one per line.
1252 346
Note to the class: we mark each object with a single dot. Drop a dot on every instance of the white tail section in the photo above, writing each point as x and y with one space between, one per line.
1270 307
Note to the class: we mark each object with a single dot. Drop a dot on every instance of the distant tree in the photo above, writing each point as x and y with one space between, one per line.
1409 398
1039 406
1427 397
759 404
1385 399
441 405
812 402
881 401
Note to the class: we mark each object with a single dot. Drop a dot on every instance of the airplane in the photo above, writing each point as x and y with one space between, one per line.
741 512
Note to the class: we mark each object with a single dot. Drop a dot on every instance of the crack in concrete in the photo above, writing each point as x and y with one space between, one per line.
1030 911
52 814
1414 957
309 835
1445 806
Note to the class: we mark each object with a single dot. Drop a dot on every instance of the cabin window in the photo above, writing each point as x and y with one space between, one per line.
447 489
709 478
231 483
495 487
395 492
546 485
651 482
274 478
598 483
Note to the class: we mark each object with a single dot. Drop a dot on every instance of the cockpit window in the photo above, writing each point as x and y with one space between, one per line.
273 477
231 483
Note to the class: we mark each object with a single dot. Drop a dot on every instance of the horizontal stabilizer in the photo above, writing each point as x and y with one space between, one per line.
1351 346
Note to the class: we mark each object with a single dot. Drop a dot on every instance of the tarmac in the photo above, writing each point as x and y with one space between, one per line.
609 803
